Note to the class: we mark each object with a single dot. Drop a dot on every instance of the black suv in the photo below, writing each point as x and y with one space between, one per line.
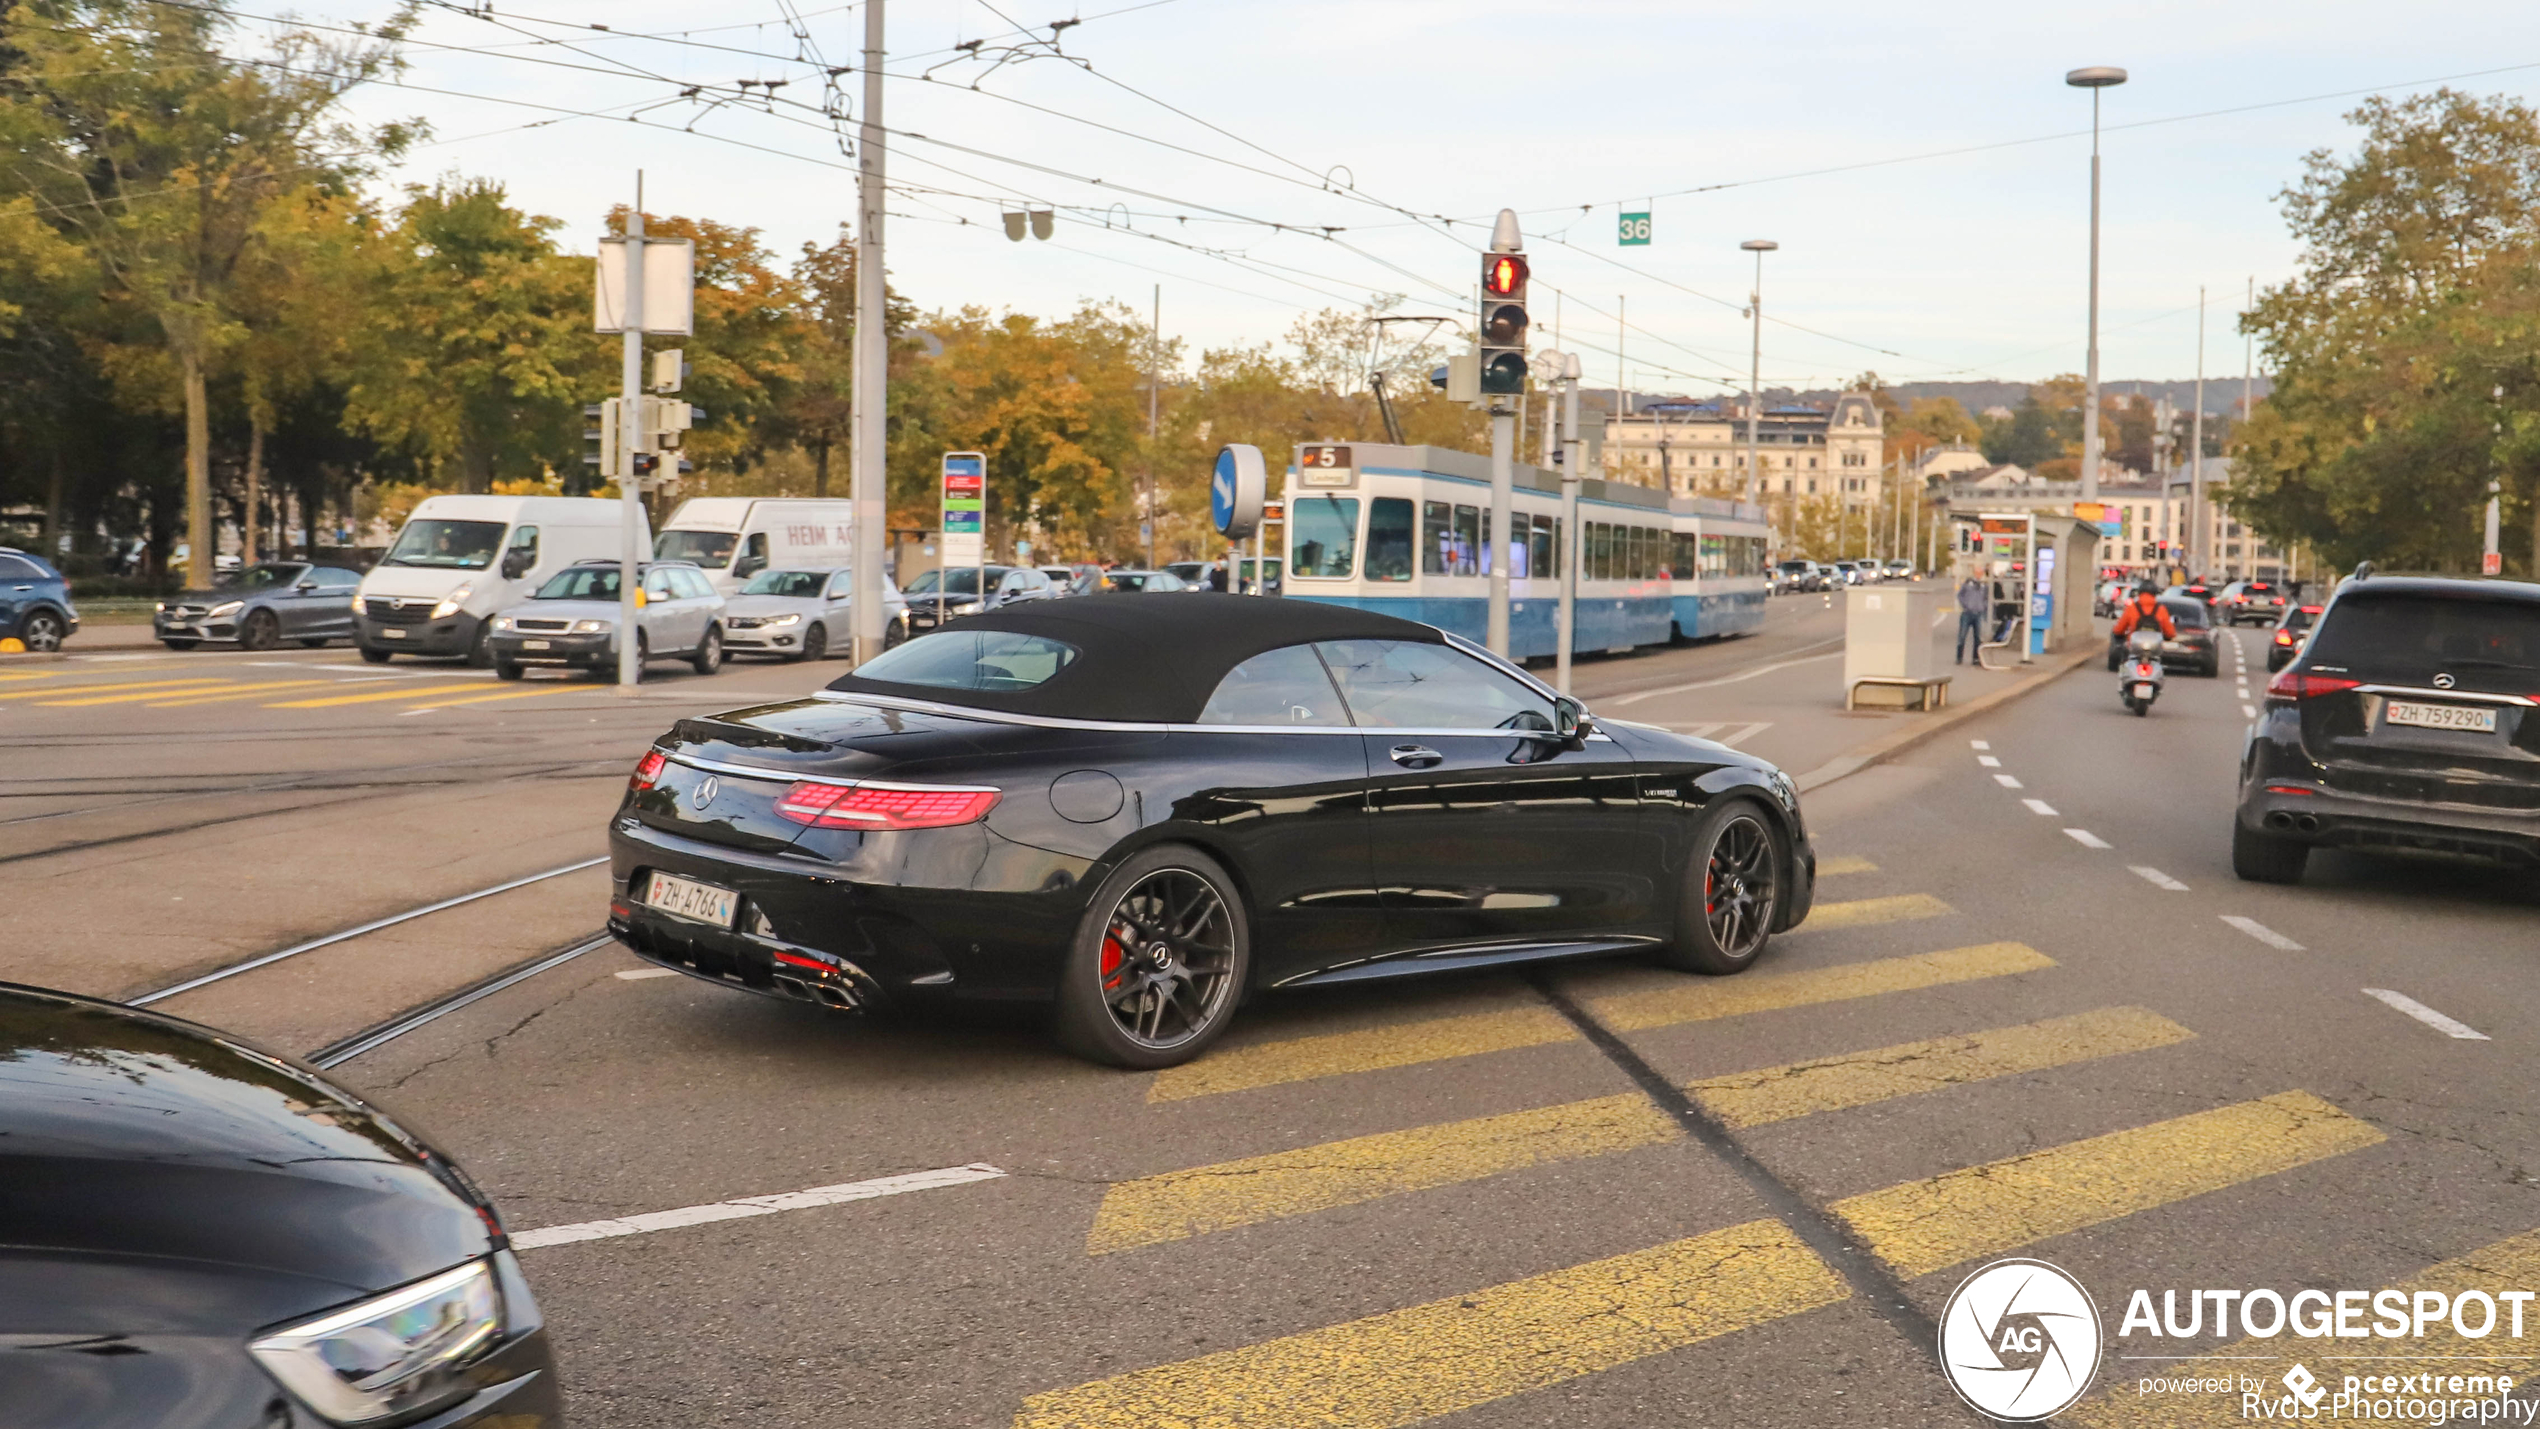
2410 723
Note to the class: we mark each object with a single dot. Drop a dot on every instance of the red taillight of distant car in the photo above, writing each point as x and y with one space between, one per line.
2297 685
870 806
648 770
2284 637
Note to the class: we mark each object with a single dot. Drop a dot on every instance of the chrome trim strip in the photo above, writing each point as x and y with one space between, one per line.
2431 694
779 776
1129 727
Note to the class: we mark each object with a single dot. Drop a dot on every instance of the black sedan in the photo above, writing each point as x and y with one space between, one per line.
1138 811
198 1235
2409 724
2195 651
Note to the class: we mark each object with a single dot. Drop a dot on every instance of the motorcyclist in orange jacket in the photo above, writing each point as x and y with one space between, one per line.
2146 605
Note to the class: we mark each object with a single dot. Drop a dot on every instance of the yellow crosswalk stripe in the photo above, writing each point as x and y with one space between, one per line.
1153 1209
47 691
1265 1064
6 675
1860 1078
1702 999
1409 1365
2511 1263
1869 912
1300 1059
1923 1226
1844 863
371 696
128 695
1177 1204
544 689
176 698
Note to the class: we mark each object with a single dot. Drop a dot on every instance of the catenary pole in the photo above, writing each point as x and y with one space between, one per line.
2196 436
1573 448
630 427
1155 381
2093 78
871 390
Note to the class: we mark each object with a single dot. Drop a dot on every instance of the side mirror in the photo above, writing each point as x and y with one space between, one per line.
305 587
516 563
1570 721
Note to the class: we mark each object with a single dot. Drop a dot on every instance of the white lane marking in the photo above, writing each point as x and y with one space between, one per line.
2084 837
2427 1015
2041 808
2248 711
1987 761
1697 731
2156 878
638 974
2007 782
2262 933
1749 732
1979 744
1724 680
756 1206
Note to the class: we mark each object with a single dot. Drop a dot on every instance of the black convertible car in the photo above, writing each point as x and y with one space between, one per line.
1141 809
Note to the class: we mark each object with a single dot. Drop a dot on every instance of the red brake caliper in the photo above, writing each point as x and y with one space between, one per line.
1112 956
1710 884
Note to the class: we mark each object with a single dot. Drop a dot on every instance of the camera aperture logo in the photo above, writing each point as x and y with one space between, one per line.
2019 1341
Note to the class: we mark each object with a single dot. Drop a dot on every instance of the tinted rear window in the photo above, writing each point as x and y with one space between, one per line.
2482 643
2187 614
957 659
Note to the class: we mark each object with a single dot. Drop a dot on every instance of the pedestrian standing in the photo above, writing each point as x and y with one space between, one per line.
1217 576
1970 617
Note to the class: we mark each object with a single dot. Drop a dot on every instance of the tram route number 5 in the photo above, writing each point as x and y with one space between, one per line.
1634 230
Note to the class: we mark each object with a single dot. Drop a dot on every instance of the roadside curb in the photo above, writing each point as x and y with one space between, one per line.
1879 751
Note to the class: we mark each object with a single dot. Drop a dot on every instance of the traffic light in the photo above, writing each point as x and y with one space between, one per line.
1503 323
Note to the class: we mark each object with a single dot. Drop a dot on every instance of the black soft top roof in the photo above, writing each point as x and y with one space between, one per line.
1149 658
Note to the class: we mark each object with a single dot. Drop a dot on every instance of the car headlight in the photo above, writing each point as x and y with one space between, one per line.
450 603
589 627
226 607
161 607
503 622
395 1354
782 620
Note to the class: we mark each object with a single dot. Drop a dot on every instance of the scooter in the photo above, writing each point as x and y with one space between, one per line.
2139 675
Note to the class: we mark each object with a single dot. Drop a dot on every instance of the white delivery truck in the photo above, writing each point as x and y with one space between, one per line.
459 559
735 537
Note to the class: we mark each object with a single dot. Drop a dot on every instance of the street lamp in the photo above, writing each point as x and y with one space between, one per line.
1755 372
2093 78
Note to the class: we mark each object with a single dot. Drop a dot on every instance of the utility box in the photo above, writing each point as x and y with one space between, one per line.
1889 654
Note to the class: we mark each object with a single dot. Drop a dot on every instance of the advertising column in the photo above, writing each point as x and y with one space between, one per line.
965 525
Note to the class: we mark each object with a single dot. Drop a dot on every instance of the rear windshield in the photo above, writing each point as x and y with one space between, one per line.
2300 617
2414 637
957 659
2188 614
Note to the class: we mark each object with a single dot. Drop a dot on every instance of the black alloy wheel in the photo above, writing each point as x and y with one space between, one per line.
1732 891
41 632
815 642
709 656
262 630
894 634
2264 858
372 654
1159 962
507 669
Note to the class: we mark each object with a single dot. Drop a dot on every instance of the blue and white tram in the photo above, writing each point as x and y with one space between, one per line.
1406 530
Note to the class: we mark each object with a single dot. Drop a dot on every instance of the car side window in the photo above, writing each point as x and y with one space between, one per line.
841 583
1279 687
657 586
1411 684
330 578
13 568
694 585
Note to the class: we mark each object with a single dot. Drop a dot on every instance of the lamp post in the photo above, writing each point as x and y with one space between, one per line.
2093 78
1755 369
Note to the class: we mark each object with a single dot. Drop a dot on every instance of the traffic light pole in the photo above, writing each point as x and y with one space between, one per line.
1573 449
630 416
1503 489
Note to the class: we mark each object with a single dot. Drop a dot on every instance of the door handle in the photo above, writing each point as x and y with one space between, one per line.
22 587
1413 756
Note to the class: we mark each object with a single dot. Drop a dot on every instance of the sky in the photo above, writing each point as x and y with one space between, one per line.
1924 169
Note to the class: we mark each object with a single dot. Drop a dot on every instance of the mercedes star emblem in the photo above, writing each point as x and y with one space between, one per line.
704 793
2442 682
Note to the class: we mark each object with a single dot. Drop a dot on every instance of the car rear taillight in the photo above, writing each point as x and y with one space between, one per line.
874 806
2297 685
2284 637
647 770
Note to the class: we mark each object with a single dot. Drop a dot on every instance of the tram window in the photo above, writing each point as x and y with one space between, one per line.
1468 541
1539 543
1644 553
1484 546
1323 537
1437 548
1600 551
1389 539
1681 566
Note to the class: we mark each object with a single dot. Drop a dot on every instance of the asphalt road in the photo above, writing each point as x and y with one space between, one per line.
2033 1014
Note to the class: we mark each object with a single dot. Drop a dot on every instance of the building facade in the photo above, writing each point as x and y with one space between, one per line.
1699 448
2152 512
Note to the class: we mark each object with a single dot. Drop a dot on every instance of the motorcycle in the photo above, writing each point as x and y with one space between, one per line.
2139 675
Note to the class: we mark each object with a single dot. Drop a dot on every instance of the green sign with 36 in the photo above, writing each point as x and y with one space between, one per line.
1635 230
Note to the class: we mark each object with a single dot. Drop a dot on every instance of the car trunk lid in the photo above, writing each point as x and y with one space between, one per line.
2437 700
727 772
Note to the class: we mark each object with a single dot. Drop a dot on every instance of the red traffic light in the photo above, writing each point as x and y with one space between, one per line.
1503 274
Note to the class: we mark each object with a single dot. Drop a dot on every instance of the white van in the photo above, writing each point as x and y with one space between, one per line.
459 559
732 538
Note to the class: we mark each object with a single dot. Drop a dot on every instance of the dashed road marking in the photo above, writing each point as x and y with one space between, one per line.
2262 933
1952 1218
1745 733
1406 1366
1979 744
2156 878
756 1206
2007 781
638 974
2449 1027
2248 711
2087 839
1987 761
1844 863
2041 808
